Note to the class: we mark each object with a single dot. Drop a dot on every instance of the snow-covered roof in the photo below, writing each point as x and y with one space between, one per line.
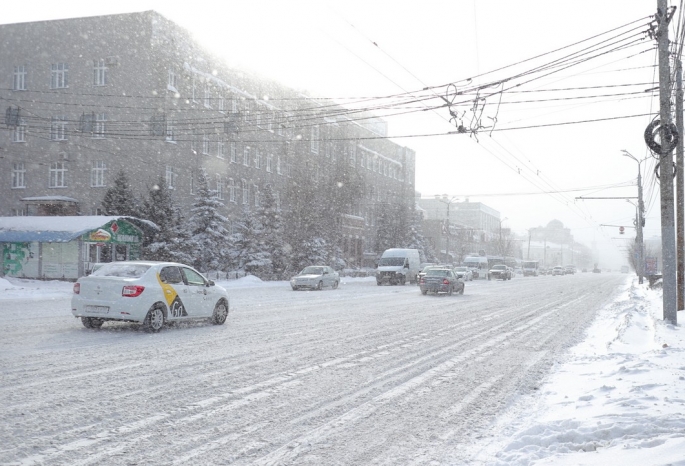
54 229
50 198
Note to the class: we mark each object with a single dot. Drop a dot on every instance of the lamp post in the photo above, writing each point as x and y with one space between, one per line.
501 246
447 200
640 219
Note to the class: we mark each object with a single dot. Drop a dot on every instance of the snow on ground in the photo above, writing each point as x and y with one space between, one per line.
619 398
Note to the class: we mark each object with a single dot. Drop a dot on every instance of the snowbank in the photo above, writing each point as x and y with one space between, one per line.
618 399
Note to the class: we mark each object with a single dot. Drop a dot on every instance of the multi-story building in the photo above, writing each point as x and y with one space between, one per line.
464 226
89 97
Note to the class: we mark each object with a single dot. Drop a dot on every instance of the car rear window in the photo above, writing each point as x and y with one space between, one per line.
437 273
121 270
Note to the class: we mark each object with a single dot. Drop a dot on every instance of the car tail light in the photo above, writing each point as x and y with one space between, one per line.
77 288
422 280
445 281
131 291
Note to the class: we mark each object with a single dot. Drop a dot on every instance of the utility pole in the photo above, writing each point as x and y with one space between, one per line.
668 249
680 204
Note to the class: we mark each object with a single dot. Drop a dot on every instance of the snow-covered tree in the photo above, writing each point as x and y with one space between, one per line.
159 208
416 239
269 217
120 198
208 238
249 245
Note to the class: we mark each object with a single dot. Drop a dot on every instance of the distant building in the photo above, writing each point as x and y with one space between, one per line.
470 225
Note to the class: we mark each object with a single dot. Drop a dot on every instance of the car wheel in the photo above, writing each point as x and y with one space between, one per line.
220 313
403 281
424 291
154 320
462 289
378 283
319 286
92 322
335 284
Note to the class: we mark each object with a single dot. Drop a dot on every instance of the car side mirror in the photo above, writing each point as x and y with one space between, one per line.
406 266
210 283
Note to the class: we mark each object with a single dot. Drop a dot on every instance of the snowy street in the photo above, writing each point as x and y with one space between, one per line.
358 375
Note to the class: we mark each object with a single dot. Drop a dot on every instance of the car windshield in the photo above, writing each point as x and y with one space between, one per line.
312 271
121 270
499 267
391 261
461 269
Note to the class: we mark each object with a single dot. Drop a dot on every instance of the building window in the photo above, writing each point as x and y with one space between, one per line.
205 144
19 131
221 148
221 104
246 156
246 192
219 187
97 174
192 182
256 196
170 130
353 158
208 96
18 212
59 76
231 190
99 128
58 128
99 72
171 81
269 162
278 165
269 122
314 142
277 198
19 78
170 177
257 159
234 155
18 175
58 175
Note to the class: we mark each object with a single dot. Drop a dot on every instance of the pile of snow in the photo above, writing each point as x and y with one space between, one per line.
6 285
618 399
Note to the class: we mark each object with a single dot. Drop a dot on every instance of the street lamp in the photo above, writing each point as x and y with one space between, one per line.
639 219
446 200
501 246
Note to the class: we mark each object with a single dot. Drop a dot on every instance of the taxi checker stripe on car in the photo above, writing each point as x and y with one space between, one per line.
173 300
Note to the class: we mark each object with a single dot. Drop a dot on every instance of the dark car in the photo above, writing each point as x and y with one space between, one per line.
499 272
441 280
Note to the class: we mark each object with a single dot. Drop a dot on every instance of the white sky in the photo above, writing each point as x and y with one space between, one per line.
327 48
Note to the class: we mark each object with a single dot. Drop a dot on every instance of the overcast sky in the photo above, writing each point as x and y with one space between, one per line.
370 48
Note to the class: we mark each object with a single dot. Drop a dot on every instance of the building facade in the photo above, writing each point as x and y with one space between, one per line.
89 97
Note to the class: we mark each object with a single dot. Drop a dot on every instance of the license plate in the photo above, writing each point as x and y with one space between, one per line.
97 309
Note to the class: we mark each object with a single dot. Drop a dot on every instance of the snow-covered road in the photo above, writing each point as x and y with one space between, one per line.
358 375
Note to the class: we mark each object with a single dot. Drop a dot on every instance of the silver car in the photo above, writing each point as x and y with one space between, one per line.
464 273
315 277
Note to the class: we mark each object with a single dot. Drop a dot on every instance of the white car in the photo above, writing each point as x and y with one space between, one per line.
464 273
315 277
151 293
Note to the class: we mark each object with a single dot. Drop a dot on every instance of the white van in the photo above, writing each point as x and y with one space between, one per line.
478 264
398 266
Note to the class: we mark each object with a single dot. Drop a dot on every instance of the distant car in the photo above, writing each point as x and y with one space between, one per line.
499 272
315 277
441 280
464 273
152 293
558 270
423 271
569 270
518 270
584 270
596 270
